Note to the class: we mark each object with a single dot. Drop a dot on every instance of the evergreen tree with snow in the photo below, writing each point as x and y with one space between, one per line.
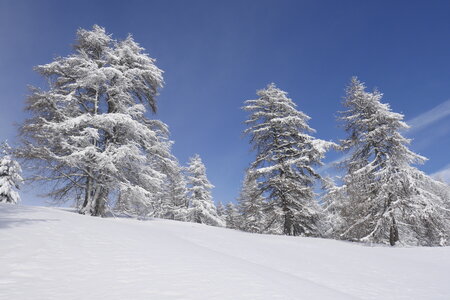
220 210
285 159
331 199
168 198
89 133
251 205
387 199
201 206
9 176
174 202
232 217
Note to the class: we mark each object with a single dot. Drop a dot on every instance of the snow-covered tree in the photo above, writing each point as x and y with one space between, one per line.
232 217
251 205
9 176
220 210
89 133
431 227
201 206
174 202
159 198
440 188
285 158
332 197
387 199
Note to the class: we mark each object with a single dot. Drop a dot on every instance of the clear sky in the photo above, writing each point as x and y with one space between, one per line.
216 54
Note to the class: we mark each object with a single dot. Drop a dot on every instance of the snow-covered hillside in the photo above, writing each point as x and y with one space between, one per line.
49 253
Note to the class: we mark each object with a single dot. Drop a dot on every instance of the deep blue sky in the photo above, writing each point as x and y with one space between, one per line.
216 54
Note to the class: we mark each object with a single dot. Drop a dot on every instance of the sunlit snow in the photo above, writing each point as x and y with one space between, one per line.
50 253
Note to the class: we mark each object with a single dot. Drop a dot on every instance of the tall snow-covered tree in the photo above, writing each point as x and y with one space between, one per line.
387 199
285 158
201 206
251 205
9 176
88 133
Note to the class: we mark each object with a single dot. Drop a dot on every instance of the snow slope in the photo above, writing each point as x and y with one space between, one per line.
49 253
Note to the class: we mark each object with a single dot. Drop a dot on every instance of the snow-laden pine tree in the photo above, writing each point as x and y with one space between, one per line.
9 176
174 202
201 206
232 217
332 197
220 210
88 132
168 197
285 159
387 198
251 205
436 196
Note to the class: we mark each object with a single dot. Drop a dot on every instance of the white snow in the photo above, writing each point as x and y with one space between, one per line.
50 253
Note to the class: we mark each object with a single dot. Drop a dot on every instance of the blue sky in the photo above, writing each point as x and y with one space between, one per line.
216 54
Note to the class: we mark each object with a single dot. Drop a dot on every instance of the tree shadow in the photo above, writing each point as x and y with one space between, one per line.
11 216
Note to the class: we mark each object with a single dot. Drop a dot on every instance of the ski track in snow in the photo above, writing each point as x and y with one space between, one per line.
50 253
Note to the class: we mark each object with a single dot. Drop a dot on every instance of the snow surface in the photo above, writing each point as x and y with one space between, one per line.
50 253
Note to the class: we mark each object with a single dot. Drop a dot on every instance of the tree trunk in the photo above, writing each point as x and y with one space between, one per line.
393 233
87 193
100 207
287 224
95 204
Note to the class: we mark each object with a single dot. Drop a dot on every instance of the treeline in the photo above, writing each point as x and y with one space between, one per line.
91 136
382 197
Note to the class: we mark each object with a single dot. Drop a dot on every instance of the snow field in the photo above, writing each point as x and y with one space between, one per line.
49 253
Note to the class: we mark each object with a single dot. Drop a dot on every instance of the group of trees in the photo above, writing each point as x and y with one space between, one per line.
90 134
382 197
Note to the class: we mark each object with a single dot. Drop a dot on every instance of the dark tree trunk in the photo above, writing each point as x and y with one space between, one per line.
87 192
393 234
100 203
287 230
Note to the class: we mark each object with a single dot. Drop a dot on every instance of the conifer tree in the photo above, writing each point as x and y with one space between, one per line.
9 176
201 206
89 133
333 198
232 217
175 200
220 210
251 205
388 199
285 159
